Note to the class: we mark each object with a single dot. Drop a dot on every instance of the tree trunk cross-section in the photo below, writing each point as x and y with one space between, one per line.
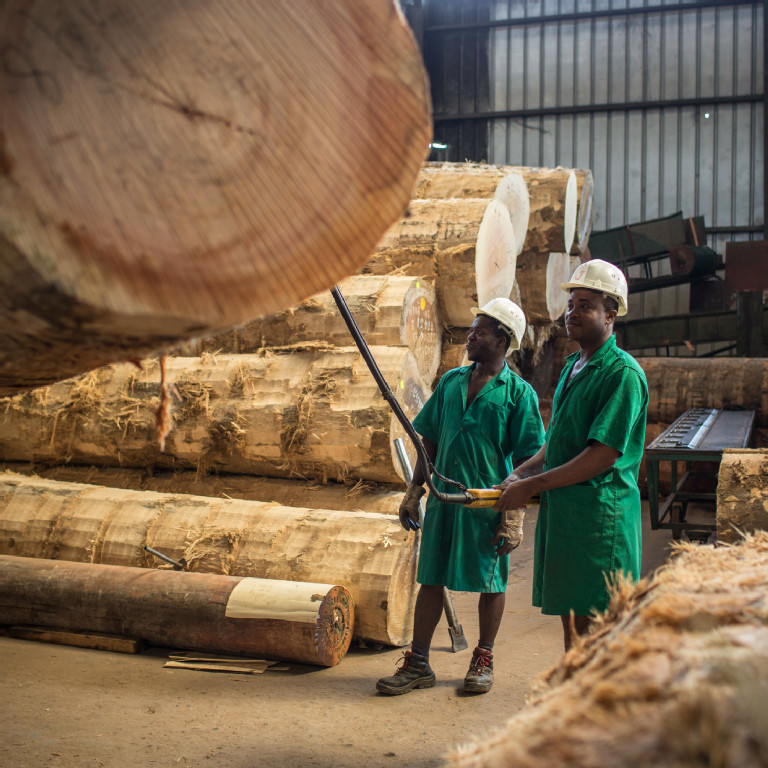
169 170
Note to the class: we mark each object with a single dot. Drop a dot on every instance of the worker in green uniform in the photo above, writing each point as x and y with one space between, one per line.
480 421
586 473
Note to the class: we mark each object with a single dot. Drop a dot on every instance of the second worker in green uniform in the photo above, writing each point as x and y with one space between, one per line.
480 420
588 528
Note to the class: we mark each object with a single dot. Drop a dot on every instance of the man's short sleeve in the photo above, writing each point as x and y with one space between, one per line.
625 402
526 426
427 421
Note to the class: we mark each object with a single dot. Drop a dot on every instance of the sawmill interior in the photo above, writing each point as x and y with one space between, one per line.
243 247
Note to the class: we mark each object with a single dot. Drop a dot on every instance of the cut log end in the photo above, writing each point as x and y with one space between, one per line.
335 625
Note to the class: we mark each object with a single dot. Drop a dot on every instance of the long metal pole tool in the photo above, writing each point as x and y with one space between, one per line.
455 630
468 497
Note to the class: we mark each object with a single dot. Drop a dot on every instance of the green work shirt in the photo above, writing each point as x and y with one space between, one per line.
476 446
592 529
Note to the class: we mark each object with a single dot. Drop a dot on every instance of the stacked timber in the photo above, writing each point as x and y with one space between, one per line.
289 620
484 231
742 494
138 204
368 554
674 674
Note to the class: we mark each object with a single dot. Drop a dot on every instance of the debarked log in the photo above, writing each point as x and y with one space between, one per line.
367 553
389 311
139 204
288 492
316 413
296 621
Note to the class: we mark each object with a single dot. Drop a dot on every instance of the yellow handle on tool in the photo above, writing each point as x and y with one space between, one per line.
482 497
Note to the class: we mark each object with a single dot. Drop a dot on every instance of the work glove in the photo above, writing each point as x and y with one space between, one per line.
409 507
509 533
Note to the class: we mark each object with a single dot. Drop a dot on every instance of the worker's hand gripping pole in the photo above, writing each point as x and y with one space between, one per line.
482 497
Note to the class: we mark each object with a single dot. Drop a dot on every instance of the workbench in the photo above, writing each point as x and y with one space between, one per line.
697 437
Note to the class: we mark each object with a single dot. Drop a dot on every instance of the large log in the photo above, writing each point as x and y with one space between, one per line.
553 195
389 311
444 223
355 497
367 553
316 413
288 620
451 269
170 170
453 243
674 674
676 384
742 494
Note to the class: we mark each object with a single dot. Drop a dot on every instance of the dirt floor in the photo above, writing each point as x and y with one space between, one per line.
76 708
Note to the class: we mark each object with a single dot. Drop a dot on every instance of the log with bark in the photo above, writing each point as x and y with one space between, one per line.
168 171
674 674
676 384
742 494
296 621
367 553
313 414
389 311
357 496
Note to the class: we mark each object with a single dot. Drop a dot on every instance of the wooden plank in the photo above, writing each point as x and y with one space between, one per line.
214 667
94 640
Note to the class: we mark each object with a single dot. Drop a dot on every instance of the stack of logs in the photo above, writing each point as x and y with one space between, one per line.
280 420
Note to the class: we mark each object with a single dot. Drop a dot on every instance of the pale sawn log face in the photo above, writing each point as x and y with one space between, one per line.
172 169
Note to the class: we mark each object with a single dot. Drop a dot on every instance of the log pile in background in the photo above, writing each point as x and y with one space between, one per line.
676 384
290 620
674 675
138 204
742 494
367 553
454 224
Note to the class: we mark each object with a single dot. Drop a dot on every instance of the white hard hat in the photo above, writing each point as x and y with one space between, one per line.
509 315
602 276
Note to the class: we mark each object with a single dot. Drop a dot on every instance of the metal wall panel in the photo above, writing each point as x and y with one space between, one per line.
662 101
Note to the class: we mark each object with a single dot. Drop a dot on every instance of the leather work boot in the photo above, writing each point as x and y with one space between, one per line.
479 678
414 672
